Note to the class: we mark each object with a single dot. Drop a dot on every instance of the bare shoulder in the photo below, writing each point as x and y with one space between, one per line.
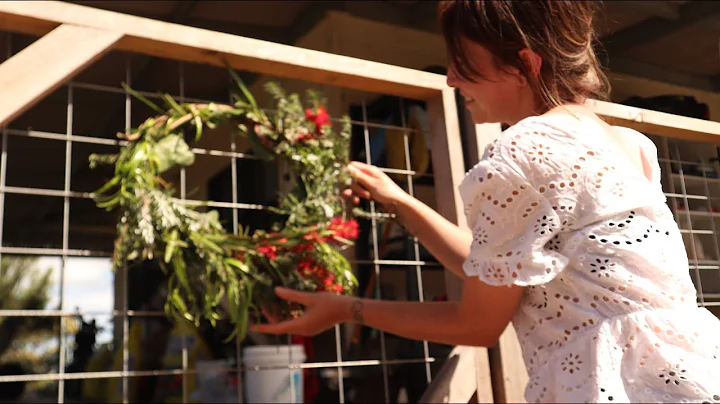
635 147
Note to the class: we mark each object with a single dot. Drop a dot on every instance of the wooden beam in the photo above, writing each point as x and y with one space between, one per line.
507 368
445 143
691 13
509 374
619 64
142 35
447 151
46 64
658 123
454 383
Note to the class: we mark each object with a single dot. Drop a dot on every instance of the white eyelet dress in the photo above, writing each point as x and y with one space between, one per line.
610 311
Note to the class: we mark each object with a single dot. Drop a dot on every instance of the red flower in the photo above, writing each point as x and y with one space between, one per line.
349 230
302 248
305 136
325 281
309 268
313 236
329 284
270 251
320 117
329 281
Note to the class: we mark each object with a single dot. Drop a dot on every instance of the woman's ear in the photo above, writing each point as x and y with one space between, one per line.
532 62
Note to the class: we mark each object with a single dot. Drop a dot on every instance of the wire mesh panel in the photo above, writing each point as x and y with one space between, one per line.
691 179
105 336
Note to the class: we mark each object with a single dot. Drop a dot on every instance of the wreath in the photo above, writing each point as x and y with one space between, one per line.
214 275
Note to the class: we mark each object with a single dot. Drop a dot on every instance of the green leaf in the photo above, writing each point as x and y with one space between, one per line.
248 95
198 127
142 98
234 262
108 203
178 301
179 267
213 218
169 252
171 101
173 150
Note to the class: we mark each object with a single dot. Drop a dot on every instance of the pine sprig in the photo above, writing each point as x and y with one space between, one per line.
213 275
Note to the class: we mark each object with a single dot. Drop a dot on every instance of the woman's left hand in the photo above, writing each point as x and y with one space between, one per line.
322 311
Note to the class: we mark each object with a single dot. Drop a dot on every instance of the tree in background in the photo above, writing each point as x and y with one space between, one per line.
25 342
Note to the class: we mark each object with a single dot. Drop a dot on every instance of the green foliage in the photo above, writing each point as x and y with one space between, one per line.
25 286
215 275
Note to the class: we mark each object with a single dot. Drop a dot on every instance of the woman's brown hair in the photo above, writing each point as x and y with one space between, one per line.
560 32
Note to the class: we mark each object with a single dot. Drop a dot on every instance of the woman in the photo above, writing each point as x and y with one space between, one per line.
570 237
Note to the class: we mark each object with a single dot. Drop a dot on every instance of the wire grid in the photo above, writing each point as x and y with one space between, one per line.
122 312
692 183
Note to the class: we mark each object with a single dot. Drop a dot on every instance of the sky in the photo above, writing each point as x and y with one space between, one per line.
88 285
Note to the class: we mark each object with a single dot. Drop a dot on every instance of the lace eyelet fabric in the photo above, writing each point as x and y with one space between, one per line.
609 312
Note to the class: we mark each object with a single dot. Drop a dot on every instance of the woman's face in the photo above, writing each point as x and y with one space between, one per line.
502 95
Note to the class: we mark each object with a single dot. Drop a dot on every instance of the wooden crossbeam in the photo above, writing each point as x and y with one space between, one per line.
43 66
172 41
658 123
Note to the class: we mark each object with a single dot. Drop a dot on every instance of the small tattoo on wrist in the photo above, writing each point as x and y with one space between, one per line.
357 311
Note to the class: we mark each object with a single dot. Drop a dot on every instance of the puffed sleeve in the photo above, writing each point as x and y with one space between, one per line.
511 222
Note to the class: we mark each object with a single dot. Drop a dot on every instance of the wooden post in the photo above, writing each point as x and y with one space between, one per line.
471 364
508 371
43 66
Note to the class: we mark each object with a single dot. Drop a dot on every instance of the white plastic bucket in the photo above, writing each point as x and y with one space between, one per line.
273 385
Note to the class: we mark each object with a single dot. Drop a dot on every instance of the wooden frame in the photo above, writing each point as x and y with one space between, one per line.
43 66
95 31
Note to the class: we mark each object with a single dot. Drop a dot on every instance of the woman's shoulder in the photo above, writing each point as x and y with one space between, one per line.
533 151
534 145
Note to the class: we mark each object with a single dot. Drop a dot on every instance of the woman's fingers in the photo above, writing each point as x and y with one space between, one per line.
270 316
362 176
361 192
363 168
356 192
295 296
295 326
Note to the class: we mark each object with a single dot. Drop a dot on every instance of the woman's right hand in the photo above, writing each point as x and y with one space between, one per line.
372 183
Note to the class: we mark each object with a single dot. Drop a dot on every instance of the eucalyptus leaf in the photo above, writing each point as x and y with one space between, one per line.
173 150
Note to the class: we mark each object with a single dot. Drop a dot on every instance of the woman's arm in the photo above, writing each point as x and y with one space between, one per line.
447 242
477 320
